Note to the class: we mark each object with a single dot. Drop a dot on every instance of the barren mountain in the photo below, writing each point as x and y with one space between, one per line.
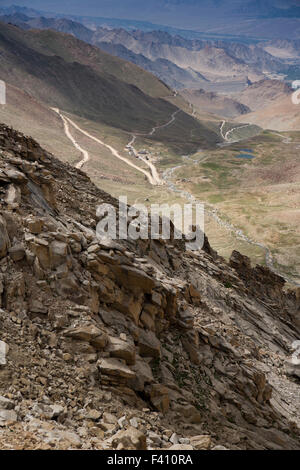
67 73
180 62
280 114
282 48
174 76
214 103
263 93
203 57
131 344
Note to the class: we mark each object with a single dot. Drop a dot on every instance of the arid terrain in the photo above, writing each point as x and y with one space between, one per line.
131 345
125 344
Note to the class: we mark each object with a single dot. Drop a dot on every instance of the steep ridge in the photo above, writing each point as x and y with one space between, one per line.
263 93
164 69
280 114
71 49
214 103
66 73
131 344
75 87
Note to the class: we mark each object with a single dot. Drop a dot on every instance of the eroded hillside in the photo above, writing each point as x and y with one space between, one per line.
131 344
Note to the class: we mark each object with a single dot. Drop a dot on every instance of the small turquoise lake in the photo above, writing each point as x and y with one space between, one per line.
246 153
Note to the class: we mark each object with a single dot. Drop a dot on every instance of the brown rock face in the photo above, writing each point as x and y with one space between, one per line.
128 345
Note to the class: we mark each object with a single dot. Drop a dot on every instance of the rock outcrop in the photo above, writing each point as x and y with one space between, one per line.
135 344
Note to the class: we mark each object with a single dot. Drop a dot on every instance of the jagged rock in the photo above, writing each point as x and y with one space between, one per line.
201 442
40 248
133 278
37 307
129 439
147 321
189 412
17 252
13 196
6 404
159 397
156 298
174 438
7 416
154 439
204 353
121 349
149 345
15 176
89 333
144 374
3 353
109 418
130 306
34 224
116 368
58 252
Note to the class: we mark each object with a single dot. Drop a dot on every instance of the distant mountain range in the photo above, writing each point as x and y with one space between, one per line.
178 61
252 18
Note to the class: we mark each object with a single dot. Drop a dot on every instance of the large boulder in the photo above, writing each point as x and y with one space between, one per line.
88 333
121 349
159 397
201 442
58 253
129 439
144 374
149 345
114 367
133 278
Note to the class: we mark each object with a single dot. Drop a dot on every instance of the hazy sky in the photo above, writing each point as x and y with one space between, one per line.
99 7
188 13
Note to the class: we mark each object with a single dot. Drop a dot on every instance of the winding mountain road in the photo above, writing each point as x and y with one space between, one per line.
225 136
154 178
86 157
155 175
85 154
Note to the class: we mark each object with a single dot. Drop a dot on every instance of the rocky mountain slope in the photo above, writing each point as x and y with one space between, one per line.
280 114
128 344
64 72
271 104
27 61
176 77
215 103
263 93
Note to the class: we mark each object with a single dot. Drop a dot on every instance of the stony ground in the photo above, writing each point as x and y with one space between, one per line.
131 345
